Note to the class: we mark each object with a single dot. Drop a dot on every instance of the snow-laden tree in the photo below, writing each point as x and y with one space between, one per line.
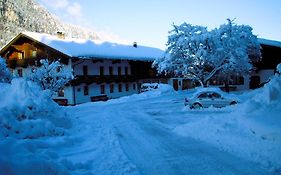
237 49
5 74
51 75
195 52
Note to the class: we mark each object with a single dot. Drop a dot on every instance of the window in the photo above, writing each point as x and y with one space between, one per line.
179 83
127 87
20 56
120 87
110 70
134 86
236 80
126 71
216 95
33 53
241 80
204 95
20 72
61 92
111 88
86 90
119 71
101 71
102 89
85 70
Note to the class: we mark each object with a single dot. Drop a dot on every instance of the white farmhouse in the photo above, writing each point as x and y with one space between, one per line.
102 70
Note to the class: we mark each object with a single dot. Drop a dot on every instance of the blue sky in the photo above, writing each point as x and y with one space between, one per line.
148 21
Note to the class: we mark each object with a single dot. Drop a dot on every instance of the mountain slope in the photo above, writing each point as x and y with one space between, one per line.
27 15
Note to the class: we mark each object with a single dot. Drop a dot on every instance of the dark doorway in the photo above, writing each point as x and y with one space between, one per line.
186 84
175 84
255 82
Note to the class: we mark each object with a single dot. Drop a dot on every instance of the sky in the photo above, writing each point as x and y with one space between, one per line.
148 22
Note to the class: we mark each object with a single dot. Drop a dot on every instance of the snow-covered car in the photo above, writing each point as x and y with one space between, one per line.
206 97
149 86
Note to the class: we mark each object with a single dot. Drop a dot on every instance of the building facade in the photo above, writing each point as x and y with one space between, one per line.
102 71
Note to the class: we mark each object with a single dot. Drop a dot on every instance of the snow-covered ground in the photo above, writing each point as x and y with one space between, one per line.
153 133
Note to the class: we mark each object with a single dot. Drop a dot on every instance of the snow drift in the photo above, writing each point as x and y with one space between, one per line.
251 130
29 112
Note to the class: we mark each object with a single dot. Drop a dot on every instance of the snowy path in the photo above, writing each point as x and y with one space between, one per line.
136 137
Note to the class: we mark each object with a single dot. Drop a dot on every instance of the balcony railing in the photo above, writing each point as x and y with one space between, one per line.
89 79
13 63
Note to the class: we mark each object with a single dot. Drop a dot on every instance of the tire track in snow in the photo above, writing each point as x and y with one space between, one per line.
154 149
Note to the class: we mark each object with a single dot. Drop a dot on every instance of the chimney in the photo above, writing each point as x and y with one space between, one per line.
135 44
60 35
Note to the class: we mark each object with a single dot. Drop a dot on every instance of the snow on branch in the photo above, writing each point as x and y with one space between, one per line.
194 50
51 75
5 75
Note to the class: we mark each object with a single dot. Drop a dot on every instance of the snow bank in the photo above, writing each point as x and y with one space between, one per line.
251 130
28 118
153 90
157 87
36 157
28 112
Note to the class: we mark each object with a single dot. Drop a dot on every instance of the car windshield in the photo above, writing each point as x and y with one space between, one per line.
209 95
216 95
204 95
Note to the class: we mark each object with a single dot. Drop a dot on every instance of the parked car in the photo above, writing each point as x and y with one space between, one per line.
148 87
206 97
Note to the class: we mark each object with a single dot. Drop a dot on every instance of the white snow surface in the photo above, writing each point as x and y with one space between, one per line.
251 130
83 48
153 133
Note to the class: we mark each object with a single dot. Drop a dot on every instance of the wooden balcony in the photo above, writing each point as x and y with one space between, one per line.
22 63
89 79
13 63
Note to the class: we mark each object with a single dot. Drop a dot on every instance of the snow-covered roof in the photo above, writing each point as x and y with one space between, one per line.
269 42
84 48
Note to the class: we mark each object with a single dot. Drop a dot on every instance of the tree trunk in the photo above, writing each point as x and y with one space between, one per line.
201 83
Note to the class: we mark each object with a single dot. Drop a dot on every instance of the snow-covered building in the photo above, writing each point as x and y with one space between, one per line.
263 69
105 70
271 57
102 70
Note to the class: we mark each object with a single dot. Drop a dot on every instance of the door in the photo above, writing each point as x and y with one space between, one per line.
175 84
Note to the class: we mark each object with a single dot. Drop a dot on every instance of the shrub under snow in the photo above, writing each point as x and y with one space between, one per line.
51 75
27 112
5 75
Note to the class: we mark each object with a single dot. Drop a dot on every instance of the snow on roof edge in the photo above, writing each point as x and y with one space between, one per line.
85 48
269 42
